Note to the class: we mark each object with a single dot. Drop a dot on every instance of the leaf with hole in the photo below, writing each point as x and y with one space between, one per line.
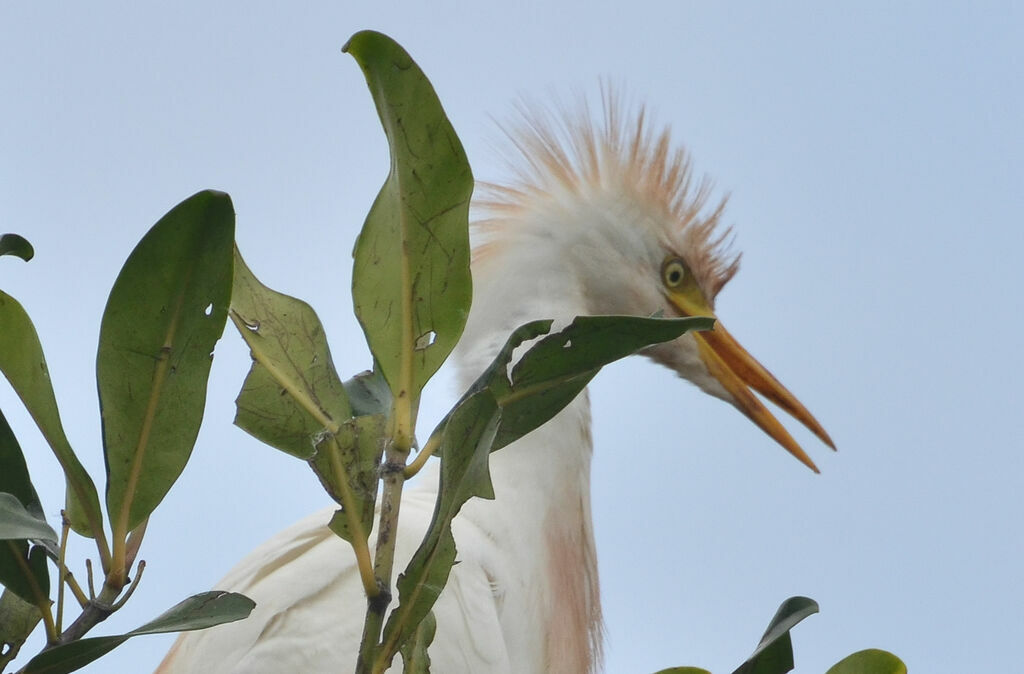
554 370
292 394
410 281
165 313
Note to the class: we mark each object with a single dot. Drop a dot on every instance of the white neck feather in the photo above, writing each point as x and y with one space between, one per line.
541 482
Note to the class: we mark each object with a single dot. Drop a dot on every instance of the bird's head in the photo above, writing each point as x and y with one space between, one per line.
605 219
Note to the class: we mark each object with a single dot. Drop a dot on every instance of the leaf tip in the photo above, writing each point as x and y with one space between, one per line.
16 245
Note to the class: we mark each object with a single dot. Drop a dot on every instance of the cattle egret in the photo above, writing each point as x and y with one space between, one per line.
600 217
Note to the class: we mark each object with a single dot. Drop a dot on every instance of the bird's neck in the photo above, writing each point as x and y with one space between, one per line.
541 510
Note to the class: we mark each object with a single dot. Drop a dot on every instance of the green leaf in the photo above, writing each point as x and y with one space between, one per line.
14 477
368 393
22 566
555 369
683 670
23 570
13 244
17 620
870 661
415 658
18 523
410 282
465 446
774 654
292 394
165 313
198 612
347 465
195 613
22 362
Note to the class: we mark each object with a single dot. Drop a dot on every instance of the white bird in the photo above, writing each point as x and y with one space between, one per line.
600 219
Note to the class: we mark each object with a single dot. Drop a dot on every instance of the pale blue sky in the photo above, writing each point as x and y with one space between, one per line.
873 154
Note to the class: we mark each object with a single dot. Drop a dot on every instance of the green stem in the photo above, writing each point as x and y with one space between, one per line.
75 588
428 450
359 537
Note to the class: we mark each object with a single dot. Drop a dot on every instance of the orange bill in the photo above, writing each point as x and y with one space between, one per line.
739 372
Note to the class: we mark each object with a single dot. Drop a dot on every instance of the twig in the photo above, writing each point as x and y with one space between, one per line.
428 450
88 572
75 588
61 570
131 588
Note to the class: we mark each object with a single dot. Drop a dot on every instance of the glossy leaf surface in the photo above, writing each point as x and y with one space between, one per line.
165 313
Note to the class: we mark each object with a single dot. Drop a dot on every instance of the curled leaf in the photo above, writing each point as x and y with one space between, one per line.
292 394
18 246
774 654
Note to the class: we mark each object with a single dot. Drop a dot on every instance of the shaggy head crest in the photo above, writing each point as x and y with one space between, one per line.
566 153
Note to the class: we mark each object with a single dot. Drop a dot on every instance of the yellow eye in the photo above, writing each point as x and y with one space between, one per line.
673 272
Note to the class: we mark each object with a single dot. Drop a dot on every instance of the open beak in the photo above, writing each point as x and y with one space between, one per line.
739 372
